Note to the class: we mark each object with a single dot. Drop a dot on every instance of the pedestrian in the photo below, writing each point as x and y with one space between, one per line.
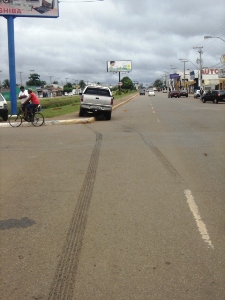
23 95
34 103
201 93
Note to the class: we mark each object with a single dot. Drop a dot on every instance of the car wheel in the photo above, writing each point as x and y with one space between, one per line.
81 112
203 100
108 115
5 117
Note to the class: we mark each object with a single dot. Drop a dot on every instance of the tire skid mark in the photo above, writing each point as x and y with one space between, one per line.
163 159
64 279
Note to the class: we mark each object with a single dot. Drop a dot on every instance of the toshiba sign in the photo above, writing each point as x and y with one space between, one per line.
210 71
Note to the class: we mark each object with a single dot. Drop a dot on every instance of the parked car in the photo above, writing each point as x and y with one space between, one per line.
142 92
151 93
174 93
3 108
196 93
184 93
215 96
96 100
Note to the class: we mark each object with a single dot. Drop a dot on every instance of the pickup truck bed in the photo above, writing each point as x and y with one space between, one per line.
97 100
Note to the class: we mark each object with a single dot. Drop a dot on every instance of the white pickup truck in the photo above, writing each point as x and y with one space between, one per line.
97 100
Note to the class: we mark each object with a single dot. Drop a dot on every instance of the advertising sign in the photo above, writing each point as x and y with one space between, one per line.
29 8
222 59
174 76
221 73
119 66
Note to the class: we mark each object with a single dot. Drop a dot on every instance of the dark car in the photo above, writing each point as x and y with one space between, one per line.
142 92
174 93
184 93
215 96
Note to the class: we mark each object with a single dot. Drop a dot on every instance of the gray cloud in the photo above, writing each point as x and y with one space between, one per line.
153 34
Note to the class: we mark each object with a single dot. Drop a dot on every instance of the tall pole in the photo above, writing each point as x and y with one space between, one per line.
12 64
21 83
184 61
200 52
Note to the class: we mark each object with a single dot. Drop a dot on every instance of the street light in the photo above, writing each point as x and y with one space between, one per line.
21 83
212 37
200 52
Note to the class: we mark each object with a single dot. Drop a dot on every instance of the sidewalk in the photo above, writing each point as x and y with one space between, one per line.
72 118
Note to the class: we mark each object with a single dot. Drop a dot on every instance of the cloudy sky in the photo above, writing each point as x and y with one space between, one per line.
153 34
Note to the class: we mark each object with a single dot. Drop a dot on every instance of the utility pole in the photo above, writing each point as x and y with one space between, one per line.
50 79
184 61
200 52
21 83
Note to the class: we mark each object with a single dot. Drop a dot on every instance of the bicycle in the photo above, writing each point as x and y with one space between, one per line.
34 117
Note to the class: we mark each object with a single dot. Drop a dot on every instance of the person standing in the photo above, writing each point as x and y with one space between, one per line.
23 95
34 102
201 93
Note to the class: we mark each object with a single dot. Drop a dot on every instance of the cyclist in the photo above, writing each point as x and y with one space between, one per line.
34 103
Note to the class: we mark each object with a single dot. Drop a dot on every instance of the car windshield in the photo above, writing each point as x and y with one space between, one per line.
1 98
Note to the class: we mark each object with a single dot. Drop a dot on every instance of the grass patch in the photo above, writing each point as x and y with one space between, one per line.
59 106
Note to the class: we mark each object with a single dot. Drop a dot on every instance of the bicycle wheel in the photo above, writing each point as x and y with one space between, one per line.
15 120
38 119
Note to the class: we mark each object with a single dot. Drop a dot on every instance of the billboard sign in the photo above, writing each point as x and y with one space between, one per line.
174 76
221 73
119 66
29 8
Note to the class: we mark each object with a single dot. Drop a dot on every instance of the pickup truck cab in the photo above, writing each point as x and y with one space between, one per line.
96 100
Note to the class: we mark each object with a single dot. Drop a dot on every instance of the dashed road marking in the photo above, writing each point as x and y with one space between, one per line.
201 225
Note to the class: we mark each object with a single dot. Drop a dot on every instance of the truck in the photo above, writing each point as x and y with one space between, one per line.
97 100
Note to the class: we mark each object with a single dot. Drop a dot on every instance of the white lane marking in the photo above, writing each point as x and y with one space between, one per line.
201 225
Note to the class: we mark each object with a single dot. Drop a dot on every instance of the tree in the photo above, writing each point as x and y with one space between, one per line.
158 83
55 82
127 83
68 87
6 83
34 79
82 84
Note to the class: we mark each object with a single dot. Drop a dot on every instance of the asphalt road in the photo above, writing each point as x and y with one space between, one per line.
131 208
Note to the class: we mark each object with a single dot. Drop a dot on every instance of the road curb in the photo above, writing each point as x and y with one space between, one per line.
67 122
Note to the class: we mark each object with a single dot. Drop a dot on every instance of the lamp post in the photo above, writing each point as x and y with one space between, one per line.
213 37
200 52
184 61
50 79
21 83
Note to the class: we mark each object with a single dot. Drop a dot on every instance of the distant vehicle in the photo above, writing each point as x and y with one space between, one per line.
142 92
154 89
184 93
3 108
215 96
197 93
151 93
96 100
174 93
164 91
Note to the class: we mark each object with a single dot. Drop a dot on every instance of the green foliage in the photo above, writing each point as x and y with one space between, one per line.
127 83
34 79
6 83
158 83
82 84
